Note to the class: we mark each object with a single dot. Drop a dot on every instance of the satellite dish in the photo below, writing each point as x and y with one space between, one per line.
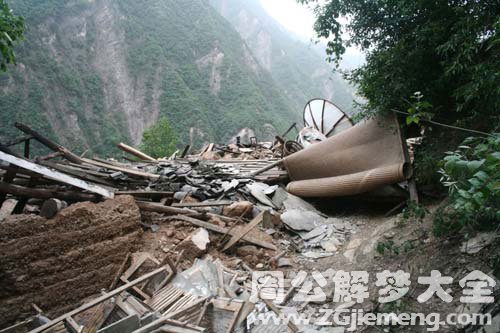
326 117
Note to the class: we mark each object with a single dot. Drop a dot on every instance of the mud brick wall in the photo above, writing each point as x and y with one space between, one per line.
57 263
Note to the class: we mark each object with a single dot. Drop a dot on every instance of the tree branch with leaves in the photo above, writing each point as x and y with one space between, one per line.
12 29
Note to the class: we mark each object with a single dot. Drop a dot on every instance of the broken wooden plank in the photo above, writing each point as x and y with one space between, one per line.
73 325
264 169
129 171
154 207
229 305
172 325
222 230
93 176
203 204
98 300
247 228
120 271
56 175
276 310
136 152
49 143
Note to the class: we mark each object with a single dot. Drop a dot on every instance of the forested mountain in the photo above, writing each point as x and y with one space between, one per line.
298 67
94 72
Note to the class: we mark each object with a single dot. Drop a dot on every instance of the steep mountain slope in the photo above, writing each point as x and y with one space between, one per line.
92 73
296 67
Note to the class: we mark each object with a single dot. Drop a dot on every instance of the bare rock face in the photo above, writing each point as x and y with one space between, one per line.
237 209
55 263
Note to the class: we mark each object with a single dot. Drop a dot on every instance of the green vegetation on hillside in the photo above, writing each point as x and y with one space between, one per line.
246 99
447 50
434 60
170 49
11 31
300 72
159 140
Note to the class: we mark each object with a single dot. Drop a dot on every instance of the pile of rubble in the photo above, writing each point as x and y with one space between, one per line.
214 218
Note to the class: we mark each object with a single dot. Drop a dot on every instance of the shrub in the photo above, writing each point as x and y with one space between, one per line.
159 140
472 176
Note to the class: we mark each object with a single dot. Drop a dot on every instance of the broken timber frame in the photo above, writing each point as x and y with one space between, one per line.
98 300
49 143
55 175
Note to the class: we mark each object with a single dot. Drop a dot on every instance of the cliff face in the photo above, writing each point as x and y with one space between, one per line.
94 72
296 66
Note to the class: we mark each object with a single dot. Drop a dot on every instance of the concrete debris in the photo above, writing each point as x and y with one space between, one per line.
301 220
285 262
260 192
201 239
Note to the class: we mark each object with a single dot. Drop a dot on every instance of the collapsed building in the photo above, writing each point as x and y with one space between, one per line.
171 245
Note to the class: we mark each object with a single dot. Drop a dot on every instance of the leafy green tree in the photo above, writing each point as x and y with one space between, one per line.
159 140
446 49
11 31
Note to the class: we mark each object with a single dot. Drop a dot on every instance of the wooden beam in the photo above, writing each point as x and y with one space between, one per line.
45 193
136 153
146 194
247 228
56 175
49 143
96 177
98 300
154 207
222 230
169 210
203 204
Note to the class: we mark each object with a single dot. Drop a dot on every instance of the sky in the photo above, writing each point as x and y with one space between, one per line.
300 20
293 16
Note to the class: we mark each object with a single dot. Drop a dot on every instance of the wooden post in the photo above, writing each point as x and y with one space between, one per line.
185 151
135 152
27 149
